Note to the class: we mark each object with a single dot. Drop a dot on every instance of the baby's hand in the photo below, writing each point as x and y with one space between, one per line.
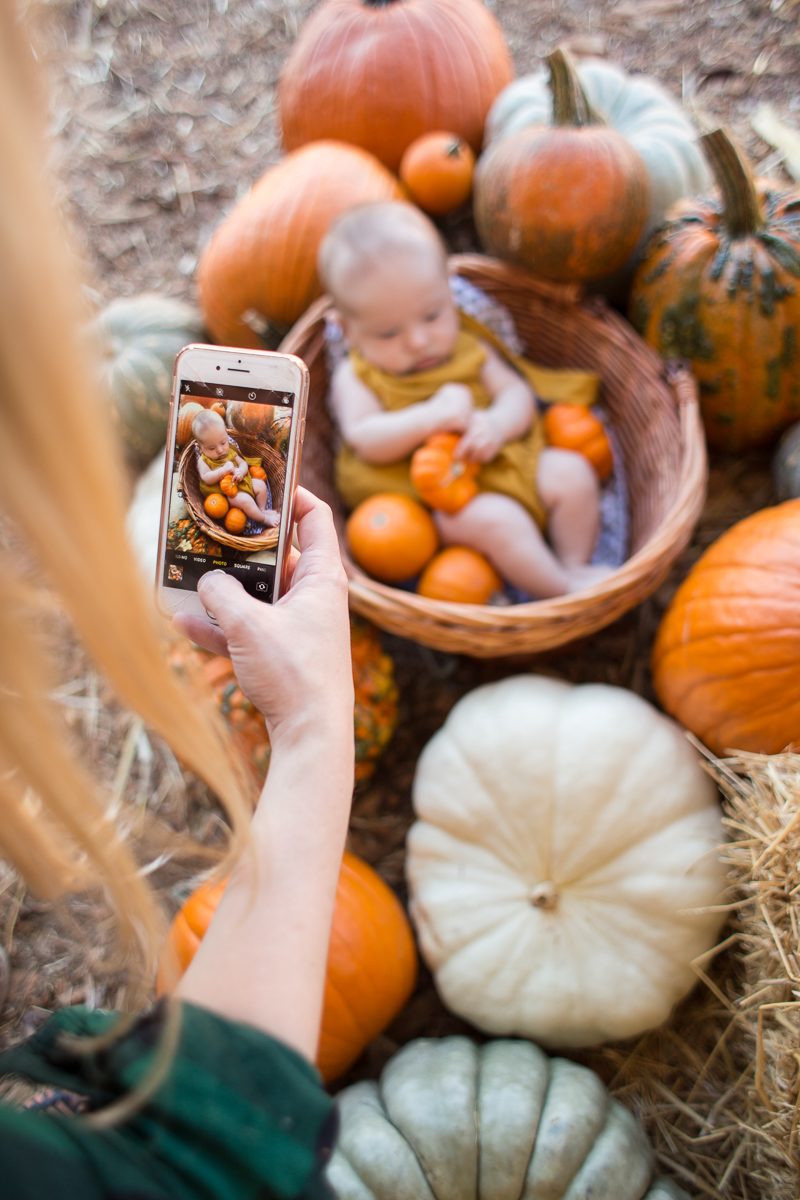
452 405
482 440
240 471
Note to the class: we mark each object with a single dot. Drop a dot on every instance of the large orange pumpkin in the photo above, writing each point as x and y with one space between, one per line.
261 263
250 418
720 286
568 201
727 656
573 427
391 536
372 961
441 480
186 414
379 73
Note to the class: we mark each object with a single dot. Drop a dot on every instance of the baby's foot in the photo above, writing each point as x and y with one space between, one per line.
270 518
587 575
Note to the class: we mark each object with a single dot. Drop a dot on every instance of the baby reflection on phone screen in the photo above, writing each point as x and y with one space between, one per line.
219 456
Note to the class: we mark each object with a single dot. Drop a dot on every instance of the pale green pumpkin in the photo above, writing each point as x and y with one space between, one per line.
138 338
450 1120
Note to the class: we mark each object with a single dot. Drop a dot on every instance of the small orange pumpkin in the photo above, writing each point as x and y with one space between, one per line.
258 472
437 170
391 536
228 485
216 506
372 961
442 481
573 427
235 520
459 574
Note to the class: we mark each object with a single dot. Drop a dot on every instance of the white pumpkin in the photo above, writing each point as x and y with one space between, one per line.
454 1121
563 862
634 105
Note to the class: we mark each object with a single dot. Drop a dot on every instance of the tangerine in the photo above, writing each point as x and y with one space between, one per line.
235 520
216 506
391 536
460 574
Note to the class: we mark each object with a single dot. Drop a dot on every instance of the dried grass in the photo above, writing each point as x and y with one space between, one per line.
718 1088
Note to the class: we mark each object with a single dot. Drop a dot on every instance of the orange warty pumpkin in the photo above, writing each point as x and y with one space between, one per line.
567 201
459 574
725 661
228 485
442 481
437 171
379 73
235 520
573 427
391 536
261 263
372 961
720 286
216 506
374 714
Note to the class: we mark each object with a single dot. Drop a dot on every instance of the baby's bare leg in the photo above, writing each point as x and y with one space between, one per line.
247 504
507 535
570 492
269 516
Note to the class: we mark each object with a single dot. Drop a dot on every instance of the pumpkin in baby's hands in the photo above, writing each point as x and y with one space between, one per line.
440 479
563 867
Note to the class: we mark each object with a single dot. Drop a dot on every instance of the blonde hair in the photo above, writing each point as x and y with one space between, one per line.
55 827
205 420
369 233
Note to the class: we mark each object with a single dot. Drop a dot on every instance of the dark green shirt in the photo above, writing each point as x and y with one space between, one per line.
240 1116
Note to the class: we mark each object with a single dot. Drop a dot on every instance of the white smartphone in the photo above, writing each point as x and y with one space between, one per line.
237 420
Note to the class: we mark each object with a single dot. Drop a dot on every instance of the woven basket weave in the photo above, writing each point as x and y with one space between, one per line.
189 487
654 412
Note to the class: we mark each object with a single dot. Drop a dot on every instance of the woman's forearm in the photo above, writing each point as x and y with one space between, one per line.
263 959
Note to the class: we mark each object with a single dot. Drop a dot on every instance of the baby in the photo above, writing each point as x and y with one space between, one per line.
218 456
412 371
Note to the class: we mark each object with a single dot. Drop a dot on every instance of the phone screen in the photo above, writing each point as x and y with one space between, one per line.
221 516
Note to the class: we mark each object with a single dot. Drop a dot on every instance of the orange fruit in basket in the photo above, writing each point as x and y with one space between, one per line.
258 472
228 485
391 536
216 506
460 574
235 520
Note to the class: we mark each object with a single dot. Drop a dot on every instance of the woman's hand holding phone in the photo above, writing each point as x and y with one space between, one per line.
291 658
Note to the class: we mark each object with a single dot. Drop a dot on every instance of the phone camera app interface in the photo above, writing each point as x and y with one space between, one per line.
228 473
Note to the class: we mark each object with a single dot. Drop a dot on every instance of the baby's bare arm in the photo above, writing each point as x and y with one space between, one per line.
212 474
379 436
509 416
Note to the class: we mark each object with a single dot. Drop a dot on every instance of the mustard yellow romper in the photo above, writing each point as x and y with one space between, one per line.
209 489
512 472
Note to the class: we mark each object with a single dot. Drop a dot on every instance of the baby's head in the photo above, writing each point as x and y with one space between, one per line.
385 267
212 436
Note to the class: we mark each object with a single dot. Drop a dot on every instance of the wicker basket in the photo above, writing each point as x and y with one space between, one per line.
655 415
189 488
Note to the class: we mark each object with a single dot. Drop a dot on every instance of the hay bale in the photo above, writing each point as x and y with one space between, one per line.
718 1087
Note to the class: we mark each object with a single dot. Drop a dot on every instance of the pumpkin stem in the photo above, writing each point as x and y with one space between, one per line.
544 895
570 106
741 206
